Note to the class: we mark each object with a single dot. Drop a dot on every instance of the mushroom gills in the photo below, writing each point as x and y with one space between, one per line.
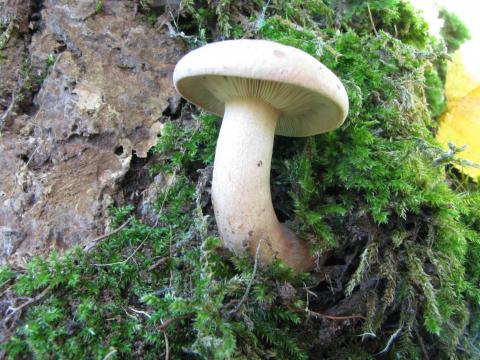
284 97
293 102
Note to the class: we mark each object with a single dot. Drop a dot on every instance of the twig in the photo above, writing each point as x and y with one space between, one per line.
91 244
140 312
98 10
309 292
167 322
247 290
136 249
129 256
6 35
261 16
167 345
367 334
131 316
146 237
371 20
110 354
7 112
449 156
158 263
331 317
6 290
390 341
5 283
422 344
26 304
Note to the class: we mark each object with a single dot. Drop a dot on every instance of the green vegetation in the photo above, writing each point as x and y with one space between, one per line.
397 233
147 286
434 90
6 34
98 6
453 31
395 17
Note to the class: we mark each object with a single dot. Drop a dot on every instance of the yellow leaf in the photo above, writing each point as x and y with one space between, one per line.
461 125
460 81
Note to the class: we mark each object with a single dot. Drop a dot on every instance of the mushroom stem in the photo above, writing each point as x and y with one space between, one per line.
241 186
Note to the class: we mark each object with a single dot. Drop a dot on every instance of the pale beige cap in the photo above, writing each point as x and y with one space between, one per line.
310 98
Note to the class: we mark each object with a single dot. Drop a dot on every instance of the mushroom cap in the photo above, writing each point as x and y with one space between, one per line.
309 97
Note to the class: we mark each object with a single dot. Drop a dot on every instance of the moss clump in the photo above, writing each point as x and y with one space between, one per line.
434 92
396 17
376 175
150 290
453 30
396 234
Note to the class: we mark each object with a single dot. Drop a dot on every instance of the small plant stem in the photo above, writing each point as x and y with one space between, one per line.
7 112
247 290
371 20
167 322
331 317
92 243
167 346
26 304
157 264
110 354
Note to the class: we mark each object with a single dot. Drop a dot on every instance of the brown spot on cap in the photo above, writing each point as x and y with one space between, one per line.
278 53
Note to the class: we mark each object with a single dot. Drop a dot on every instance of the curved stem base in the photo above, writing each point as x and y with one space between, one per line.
241 187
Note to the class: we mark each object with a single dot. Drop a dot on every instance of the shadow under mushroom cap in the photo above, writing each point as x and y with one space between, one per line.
310 97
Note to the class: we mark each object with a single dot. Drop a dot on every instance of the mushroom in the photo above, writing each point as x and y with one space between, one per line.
260 88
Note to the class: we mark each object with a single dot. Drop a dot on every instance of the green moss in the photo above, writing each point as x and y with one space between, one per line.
188 144
285 32
6 34
378 167
434 92
113 300
453 31
226 19
396 17
98 6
